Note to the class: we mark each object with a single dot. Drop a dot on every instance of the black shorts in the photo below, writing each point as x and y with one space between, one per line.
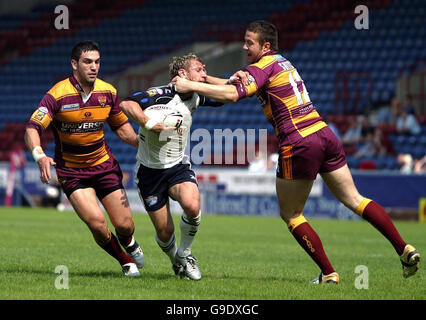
154 184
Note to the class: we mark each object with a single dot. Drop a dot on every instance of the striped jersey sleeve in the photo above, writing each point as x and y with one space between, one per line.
283 96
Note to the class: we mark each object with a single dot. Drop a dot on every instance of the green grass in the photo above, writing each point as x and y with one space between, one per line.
241 258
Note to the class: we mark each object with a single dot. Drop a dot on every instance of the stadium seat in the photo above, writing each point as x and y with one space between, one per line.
319 38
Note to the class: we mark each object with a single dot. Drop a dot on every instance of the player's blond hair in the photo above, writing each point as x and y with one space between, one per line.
181 62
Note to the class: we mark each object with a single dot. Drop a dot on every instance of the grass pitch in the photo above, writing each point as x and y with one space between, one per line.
241 258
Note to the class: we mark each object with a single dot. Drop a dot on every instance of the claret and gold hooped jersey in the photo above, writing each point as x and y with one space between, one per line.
283 96
78 121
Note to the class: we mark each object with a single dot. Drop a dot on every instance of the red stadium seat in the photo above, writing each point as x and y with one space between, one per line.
368 165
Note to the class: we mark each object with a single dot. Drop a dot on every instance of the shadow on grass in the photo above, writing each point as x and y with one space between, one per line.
145 274
81 273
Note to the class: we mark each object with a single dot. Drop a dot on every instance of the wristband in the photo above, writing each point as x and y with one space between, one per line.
38 153
231 80
150 124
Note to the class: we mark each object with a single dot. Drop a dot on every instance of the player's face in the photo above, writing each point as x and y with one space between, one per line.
87 67
196 71
253 47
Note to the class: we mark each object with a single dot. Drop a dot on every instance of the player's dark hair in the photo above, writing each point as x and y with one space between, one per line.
267 32
83 46
181 62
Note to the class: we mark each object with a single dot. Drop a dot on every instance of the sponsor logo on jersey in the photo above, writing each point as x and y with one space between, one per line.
102 100
155 91
82 127
151 200
70 106
40 113
286 65
250 79
152 92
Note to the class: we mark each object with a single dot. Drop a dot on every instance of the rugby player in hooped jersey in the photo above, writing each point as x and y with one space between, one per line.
162 169
306 146
76 109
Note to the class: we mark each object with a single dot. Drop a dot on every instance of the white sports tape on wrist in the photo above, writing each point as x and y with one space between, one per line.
150 124
231 80
38 153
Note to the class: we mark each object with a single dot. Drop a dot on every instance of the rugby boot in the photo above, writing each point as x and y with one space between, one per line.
130 270
190 267
136 253
410 259
329 278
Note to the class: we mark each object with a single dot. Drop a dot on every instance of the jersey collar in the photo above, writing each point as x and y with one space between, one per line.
269 53
79 88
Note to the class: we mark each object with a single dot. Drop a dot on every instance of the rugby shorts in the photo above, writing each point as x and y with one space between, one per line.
154 184
320 152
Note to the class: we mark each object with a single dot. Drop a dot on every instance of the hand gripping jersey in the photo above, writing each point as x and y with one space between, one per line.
167 149
78 122
284 98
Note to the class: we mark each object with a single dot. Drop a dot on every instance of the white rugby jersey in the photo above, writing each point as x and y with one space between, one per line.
167 149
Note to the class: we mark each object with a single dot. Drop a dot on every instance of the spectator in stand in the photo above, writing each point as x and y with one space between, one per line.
409 106
420 165
387 115
406 163
372 144
333 127
407 124
382 142
353 135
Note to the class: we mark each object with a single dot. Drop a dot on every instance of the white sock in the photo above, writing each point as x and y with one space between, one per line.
188 229
168 247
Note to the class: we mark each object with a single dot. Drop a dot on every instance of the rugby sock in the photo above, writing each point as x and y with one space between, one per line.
113 248
374 213
168 247
309 240
128 242
188 229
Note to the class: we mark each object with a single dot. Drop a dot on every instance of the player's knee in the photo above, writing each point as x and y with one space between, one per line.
352 202
288 216
97 224
192 209
125 226
99 230
166 233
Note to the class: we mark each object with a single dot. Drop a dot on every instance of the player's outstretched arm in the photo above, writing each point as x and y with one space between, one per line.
221 93
215 80
32 141
239 76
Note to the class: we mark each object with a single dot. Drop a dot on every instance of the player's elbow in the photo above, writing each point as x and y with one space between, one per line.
124 106
231 96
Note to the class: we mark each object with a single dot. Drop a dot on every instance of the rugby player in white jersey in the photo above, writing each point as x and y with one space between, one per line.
162 169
